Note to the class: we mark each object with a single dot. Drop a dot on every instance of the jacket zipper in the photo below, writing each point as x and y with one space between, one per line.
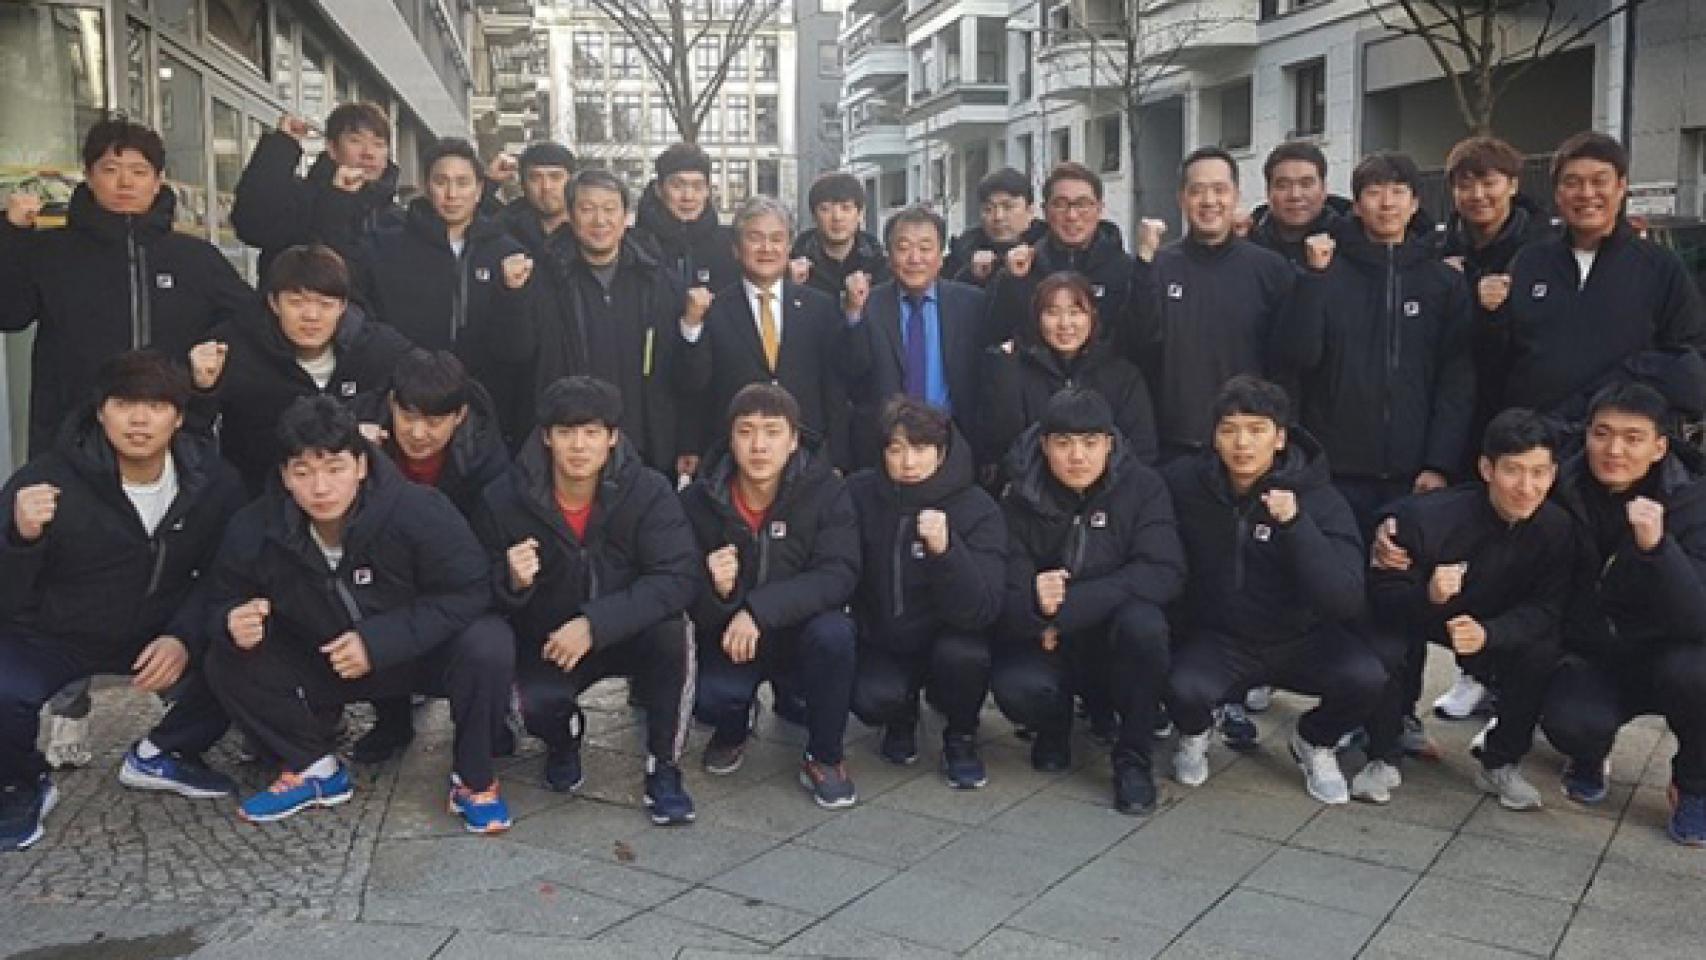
1077 542
347 599
158 548
134 261
1391 352
1239 525
459 308
898 577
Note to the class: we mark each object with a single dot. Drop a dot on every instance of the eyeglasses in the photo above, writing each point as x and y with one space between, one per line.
1080 205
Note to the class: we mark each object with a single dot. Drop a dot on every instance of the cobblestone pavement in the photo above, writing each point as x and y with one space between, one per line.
1031 866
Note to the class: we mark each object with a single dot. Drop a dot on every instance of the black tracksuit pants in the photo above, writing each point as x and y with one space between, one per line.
661 664
33 668
816 659
1034 687
953 673
1328 662
1368 498
1590 699
287 697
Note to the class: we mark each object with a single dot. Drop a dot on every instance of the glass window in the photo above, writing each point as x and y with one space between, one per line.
589 55
227 167
707 56
740 181
829 59
764 68
625 63
138 100
1235 115
737 65
182 127
625 117
1110 136
767 121
52 61
315 95
1309 106
660 126
343 82
769 177
241 26
711 128
284 61
740 119
589 118
180 15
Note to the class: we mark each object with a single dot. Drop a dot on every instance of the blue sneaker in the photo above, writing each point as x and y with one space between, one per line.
1687 817
961 765
483 811
293 793
1586 781
23 809
666 798
173 774
829 783
563 773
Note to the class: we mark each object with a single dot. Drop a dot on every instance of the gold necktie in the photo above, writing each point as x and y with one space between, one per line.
767 329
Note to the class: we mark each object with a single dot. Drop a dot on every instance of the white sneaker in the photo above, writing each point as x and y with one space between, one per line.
1190 762
1321 774
1259 699
1507 783
1478 742
68 742
1375 782
1466 698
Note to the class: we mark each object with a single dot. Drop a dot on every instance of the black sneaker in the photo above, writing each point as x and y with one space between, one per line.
1051 752
829 783
1163 727
723 756
393 731
961 765
900 743
563 772
1134 788
666 798
23 808
1236 728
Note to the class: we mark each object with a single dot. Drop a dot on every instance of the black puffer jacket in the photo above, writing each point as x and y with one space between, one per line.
957 265
803 561
476 455
907 597
105 284
274 209
829 275
1380 344
1118 541
701 253
1265 230
1104 263
1252 577
636 568
411 579
96 580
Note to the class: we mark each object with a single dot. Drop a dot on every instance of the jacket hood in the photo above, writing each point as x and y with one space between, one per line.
472 443
83 443
1300 467
374 504
378 193
1108 242
423 221
260 325
633 254
807 467
1526 219
85 215
976 238
956 473
1676 479
809 243
1034 486
534 474
1264 226
653 217
1354 244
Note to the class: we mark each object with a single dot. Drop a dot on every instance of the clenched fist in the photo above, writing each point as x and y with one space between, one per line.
33 510
1051 591
1493 290
983 264
698 304
1467 635
347 653
1646 522
523 561
858 293
1281 504
1446 583
933 530
502 169
349 179
293 126
518 267
247 623
800 269
724 566
1318 251
207 363
1387 554
1149 233
1020 258
22 209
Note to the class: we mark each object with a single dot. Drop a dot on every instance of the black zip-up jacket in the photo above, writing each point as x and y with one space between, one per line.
1379 342
412 576
262 378
1252 577
1104 263
701 253
1568 340
957 265
476 455
1518 577
1623 597
1118 541
1264 229
514 380
804 559
636 568
829 275
105 284
1018 381
95 579
907 597
1201 315
274 209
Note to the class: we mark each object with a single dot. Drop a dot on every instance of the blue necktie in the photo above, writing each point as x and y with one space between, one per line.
917 357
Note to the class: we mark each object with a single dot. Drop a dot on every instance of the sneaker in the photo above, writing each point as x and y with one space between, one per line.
563 772
1259 699
173 774
1507 783
1416 742
1134 788
1051 752
666 799
1468 697
1687 818
961 765
724 757
1322 777
829 784
23 809
68 743
1587 782
1478 743
1105 728
392 732
293 793
1237 729
1163 725
900 744
482 812
1375 782
1190 761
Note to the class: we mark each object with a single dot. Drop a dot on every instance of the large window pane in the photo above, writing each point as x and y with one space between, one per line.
768 120
315 104
240 25
227 167
284 61
52 64
182 128
178 15
138 101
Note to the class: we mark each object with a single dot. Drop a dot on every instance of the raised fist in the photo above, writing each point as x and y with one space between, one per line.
34 509
207 363
1051 591
800 269
523 561
1447 582
724 566
1020 258
1493 290
983 264
247 623
22 209
1281 504
293 126
517 268
1467 635
698 304
1646 522
349 179
1318 251
1149 233
502 168
933 530
858 293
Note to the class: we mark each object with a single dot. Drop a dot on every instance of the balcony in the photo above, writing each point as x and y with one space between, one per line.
874 64
1070 68
876 142
960 111
1199 29
858 8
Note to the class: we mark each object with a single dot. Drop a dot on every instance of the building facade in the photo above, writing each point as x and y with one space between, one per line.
511 101
819 72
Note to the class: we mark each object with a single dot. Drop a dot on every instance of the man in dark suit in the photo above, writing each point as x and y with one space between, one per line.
918 335
767 329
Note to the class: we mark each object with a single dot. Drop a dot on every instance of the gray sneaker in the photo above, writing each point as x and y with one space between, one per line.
1190 762
1507 783
1375 782
1321 774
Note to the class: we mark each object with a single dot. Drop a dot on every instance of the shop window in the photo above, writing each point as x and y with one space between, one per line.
240 25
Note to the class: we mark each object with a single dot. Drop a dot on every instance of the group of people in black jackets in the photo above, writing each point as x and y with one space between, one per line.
500 452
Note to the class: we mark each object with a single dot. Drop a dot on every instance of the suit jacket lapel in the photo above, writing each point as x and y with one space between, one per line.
885 314
741 317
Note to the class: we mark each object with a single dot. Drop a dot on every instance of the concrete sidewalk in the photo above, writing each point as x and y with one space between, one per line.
1031 866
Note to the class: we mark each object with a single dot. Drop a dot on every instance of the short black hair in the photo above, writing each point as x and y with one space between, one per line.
1291 150
916 214
1517 430
142 375
921 424
451 147
1248 396
310 268
1077 410
836 186
765 400
1634 398
577 400
682 158
1005 180
118 134
1210 152
596 179
546 153
1384 167
359 117
1590 145
431 383
318 424
1067 170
